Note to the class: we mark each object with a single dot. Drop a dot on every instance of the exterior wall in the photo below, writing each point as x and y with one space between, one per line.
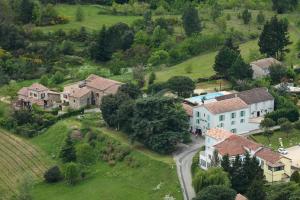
206 120
275 176
259 72
77 103
96 95
261 109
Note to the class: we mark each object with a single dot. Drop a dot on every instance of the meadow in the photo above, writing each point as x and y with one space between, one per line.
288 140
105 181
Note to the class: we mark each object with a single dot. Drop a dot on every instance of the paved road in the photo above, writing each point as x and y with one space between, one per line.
184 158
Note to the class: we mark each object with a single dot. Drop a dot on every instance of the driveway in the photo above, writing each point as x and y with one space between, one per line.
294 155
184 158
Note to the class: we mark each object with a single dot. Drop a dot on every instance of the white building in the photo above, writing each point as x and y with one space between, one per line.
261 68
276 167
239 113
212 137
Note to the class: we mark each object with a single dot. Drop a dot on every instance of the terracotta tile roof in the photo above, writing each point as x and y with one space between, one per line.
219 133
103 84
79 92
236 145
23 91
268 155
188 109
37 87
265 63
240 197
226 105
252 96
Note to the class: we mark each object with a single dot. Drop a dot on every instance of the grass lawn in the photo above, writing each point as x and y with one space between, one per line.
214 84
292 139
92 20
154 178
201 65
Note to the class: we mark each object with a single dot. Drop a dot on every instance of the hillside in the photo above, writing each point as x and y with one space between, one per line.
18 159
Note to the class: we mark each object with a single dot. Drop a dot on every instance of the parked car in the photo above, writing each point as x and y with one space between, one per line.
283 151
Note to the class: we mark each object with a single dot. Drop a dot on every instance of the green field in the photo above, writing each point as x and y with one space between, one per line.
155 178
92 20
289 140
18 159
201 65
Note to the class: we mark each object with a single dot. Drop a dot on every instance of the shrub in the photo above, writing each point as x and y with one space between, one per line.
85 154
282 120
53 175
297 125
295 177
291 114
72 173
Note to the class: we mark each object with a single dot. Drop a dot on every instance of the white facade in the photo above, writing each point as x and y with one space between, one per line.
261 109
235 121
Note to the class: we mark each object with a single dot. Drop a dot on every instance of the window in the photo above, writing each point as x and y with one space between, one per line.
208 126
198 114
233 115
197 121
242 113
221 118
233 130
74 100
221 125
208 117
97 94
242 121
42 95
232 122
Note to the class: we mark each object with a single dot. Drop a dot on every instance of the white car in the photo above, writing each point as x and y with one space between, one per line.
283 151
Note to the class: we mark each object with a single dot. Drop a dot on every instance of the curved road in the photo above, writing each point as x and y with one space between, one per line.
184 159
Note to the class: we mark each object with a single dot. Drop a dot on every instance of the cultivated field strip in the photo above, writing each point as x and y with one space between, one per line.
18 158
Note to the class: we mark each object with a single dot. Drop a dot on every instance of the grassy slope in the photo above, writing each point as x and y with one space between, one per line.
201 65
92 20
105 182
292 139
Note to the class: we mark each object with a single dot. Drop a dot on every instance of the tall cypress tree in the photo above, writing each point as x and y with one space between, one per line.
191 21
101 50
26 11
224 60
274 38
256 191
68 152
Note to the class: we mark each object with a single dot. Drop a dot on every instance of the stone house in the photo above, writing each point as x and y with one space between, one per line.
261 68
37 94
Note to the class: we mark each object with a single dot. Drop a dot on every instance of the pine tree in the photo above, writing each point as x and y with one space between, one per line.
240 70
224 60
229 43
225 164
256 191
260 18
246 16
191 21
68 152
274 38
26 11
101 50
